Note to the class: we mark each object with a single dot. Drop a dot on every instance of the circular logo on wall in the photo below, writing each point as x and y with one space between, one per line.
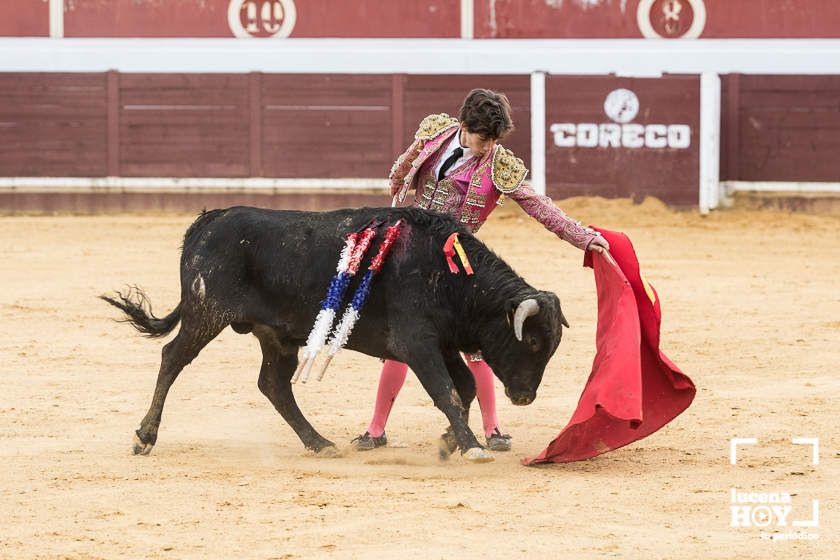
621 105
671 19
261 18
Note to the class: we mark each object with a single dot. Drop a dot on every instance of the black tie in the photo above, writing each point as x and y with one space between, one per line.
449 162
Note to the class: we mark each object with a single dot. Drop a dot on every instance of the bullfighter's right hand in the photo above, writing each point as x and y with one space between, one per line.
598 244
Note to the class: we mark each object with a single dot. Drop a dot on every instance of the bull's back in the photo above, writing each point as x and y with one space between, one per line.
276 255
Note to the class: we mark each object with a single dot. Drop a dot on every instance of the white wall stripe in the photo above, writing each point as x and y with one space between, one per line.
185 184
467 19
731 187
538 132
710 93
188 183
56 19
626 57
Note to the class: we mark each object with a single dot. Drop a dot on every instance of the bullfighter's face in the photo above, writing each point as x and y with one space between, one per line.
478 144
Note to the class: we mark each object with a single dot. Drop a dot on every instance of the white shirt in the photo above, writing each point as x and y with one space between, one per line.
454 143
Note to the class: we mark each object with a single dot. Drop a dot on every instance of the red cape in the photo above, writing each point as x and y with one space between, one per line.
634 389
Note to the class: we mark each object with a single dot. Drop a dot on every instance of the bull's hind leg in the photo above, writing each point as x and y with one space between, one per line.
175 356
278 366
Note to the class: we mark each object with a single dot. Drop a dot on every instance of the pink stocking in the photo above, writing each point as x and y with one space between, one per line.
486 392
390 382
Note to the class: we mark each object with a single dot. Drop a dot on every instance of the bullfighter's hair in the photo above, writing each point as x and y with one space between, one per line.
486 113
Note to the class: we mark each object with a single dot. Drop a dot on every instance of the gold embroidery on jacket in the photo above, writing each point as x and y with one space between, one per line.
508 171
470 215
435 194
476 199
433 125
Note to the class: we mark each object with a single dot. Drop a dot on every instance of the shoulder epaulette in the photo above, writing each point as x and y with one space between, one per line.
433 125
508 171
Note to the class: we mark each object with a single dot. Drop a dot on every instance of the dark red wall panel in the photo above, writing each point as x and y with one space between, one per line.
146 18
772 19
637 148
184 125
326 125
53 125
343 125
378 18
786 128
262 18
570 19
24 18
524 19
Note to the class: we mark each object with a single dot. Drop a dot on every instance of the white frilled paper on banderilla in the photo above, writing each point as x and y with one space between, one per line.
342 331
355 246
340 337
317 337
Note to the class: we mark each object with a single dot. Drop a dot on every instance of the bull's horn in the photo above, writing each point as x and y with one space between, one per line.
527 308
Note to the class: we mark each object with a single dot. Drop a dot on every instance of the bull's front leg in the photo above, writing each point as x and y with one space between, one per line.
433 374
464 383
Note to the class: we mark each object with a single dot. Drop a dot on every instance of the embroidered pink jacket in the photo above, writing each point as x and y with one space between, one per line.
473 190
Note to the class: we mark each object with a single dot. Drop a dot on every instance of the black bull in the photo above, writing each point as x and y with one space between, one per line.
266 271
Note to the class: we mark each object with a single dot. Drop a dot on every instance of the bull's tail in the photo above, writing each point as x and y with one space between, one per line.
136 305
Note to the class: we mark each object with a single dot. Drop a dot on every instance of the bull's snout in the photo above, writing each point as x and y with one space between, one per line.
520 398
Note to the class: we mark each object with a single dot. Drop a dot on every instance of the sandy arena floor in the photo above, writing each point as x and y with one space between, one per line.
751 306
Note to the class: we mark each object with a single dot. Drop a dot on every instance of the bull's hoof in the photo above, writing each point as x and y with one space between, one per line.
478 455
443 450
141 448
328 452
447 444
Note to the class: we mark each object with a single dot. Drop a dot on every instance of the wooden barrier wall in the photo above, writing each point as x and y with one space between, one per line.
53 125
645 142
780 128
227 125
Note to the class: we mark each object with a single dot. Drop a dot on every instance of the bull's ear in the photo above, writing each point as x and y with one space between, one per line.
510 308
563 320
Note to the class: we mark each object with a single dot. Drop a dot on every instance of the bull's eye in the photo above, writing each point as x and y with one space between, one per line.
533 343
